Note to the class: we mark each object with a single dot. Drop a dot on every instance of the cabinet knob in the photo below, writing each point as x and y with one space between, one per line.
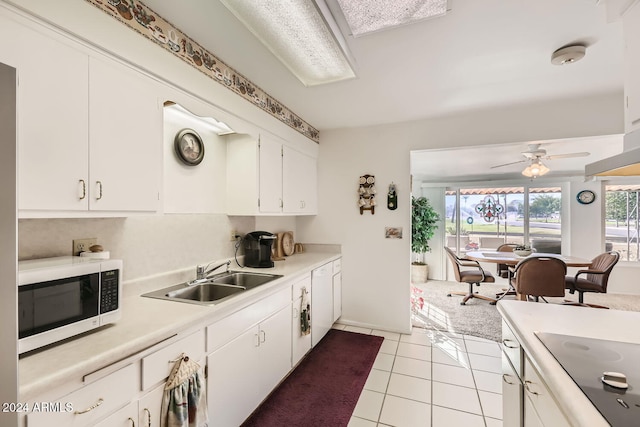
504 378
505 341
526 385
99 185
83 193
148 415
90 408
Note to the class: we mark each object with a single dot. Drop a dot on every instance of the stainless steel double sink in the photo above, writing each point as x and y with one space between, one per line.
214 289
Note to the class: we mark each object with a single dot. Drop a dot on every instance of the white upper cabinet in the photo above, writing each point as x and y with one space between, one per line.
125 135
631 26
266 177
270 166
299 182
53 153
89 128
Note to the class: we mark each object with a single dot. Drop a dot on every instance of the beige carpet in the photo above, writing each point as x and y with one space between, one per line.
479 318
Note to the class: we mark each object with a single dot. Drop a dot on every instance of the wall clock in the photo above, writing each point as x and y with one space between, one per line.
189 147
586 197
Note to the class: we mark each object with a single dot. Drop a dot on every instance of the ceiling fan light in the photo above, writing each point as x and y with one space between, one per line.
535 169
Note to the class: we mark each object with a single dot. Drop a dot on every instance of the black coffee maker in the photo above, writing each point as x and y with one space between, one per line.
257 249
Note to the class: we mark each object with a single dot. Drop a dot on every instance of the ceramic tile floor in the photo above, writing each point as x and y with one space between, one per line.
431 379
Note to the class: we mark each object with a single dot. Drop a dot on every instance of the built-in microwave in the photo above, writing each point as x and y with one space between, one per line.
65 296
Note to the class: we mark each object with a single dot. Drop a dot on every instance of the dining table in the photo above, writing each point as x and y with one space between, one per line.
512 259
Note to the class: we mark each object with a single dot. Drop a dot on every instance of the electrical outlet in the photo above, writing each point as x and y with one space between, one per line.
82 245
234 233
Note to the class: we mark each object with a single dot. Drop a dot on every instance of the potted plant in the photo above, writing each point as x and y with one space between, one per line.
424 222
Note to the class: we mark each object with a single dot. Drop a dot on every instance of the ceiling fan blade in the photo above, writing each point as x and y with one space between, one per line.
568 155
507 164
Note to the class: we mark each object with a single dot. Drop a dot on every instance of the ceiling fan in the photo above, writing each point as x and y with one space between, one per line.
535 154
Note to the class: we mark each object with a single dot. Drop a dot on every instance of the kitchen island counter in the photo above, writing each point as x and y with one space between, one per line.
145 322
526 318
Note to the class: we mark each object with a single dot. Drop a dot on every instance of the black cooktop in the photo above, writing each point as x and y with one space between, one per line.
586 359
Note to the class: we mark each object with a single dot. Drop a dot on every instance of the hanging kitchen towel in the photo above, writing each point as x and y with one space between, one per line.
184 403
305 313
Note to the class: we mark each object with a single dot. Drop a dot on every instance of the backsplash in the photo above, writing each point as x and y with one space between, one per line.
148 245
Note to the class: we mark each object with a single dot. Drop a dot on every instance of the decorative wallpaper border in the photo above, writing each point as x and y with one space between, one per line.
137 16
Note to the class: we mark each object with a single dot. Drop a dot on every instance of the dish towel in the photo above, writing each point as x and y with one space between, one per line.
305 313
184 403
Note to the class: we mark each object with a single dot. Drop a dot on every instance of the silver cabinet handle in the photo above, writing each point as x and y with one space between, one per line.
505 341
257 340
99 184
90 408
504 378
84 189
133 423
295 313
526 385
148 414
264 336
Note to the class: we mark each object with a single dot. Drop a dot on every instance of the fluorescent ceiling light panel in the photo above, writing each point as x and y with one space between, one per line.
368 16
299 35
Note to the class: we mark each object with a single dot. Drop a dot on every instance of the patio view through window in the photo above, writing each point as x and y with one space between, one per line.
621 220
488 217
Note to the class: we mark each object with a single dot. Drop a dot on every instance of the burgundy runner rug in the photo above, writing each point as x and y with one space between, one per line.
324 389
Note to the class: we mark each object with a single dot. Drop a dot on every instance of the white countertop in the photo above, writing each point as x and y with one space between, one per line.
525 318
144 322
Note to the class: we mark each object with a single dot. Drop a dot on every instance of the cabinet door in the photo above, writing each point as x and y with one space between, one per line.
511 394
322 303
631 23
234 371
125 134
275 350
299 182
270 176
92 402
541 398
52 121
149 407
337 296
125 417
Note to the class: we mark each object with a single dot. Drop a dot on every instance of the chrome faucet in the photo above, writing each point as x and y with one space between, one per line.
202 271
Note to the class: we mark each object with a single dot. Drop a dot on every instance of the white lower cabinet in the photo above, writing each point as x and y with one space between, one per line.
141 413
541 399
322 303
526 400
244 371
337 289
92 402
300 344
125 417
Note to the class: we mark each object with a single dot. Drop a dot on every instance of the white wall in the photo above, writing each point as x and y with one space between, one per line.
194 189
376 271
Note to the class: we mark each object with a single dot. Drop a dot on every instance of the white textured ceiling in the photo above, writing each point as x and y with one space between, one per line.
482 54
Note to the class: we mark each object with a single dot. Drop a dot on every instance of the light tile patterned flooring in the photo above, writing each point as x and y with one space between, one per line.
431 379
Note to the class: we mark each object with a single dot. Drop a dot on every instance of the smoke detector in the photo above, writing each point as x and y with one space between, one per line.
568 55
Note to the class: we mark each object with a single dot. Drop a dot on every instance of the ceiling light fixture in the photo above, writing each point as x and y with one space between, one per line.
368 16
568 55
301 34
535 169
214 125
